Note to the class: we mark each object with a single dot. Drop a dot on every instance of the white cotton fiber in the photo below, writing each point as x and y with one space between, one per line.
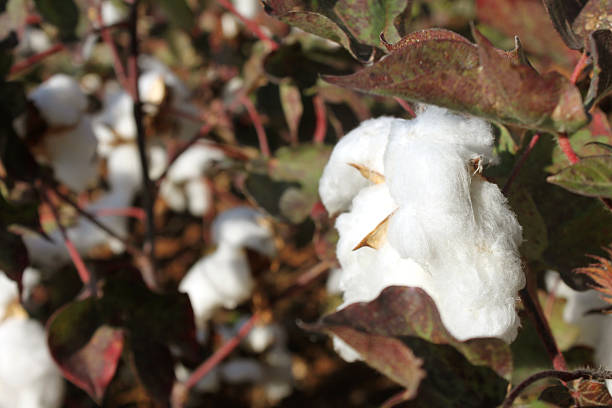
118 115
112 13
183 186
28 376
72 154
364 146
60 100
8 293
247 8
449 231
243 227
124 169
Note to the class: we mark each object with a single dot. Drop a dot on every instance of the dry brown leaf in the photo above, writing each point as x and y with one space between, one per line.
374 176
601 273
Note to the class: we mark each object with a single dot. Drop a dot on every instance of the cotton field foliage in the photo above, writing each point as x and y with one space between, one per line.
416 211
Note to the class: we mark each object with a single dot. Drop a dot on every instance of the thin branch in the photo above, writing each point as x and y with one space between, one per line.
133 75
130 248
519 163
34 59
218 356
321 119
580 66
250 24
133 212
561 375
543 329
82 270
256 119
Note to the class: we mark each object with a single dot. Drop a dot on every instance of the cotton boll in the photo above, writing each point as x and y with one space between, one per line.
173 195
333 282
111 13
221 279
118 114
150 65
59 100
365 146
247 8
243 227
33 41
230 25
124 171
72 154
198 197
194 162
263 336
28 376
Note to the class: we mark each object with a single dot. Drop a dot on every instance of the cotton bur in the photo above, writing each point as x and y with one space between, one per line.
416 211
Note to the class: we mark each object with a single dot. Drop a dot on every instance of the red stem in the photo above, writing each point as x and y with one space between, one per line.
250 24
580 65
82 270
321 119
256 119
567 148
405 105
520 162
218 356
133 212
27 63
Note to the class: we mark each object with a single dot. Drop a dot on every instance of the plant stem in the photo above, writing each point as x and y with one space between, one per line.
133 75
321 119
221 353
256 119
82 270
405 105
519 163
27 63
580 65
107 37
567 148
561 375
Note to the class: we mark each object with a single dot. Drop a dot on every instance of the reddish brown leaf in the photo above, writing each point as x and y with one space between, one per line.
86 353
443 68
529 20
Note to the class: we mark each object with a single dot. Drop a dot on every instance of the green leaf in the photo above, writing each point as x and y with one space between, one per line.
443 68
591 177
286 186
404 322
355 24
179 13
535 236
64 14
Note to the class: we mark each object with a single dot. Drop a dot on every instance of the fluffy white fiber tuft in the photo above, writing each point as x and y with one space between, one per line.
59 100
449 231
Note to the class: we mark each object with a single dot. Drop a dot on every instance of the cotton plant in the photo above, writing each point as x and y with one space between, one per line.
159 90
184 188
125 181
416 211
68 143
28 375
223 278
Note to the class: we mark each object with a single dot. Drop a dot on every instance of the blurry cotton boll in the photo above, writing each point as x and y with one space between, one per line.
411 191
60 100
8 294
116 121
247 8
223 278
33 41
112 12
72 155
595 328
28 376
183 188
229 25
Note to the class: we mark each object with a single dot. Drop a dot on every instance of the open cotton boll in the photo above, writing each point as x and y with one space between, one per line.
364 145
198 197
8 293
150 65
221 279
243 227
124 169
28 376
112 13
72 153
59 100
247 8
194 162
117 115
33 41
